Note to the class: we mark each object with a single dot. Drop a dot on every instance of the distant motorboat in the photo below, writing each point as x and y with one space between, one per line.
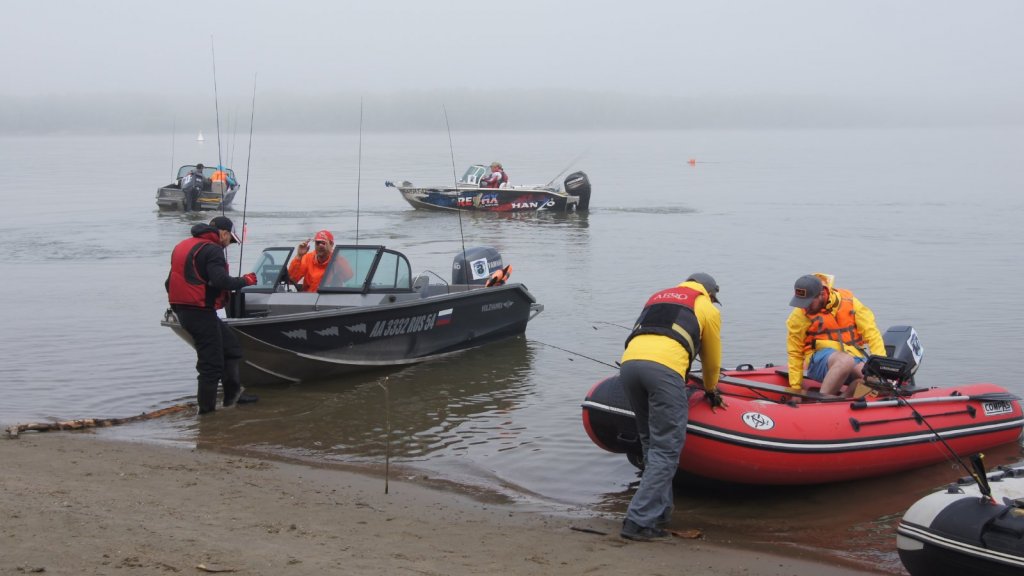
200 138
213 196
468 194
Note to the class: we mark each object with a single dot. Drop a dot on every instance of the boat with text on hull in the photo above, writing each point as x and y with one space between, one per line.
469 195
765 437
375 314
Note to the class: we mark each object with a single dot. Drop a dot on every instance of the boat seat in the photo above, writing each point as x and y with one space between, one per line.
421 285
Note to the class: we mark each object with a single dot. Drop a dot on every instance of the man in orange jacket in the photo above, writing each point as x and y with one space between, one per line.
309 267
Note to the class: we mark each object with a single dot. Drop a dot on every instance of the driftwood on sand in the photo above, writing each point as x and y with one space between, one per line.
82 423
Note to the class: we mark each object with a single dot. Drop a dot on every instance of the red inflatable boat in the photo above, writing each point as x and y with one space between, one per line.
767 436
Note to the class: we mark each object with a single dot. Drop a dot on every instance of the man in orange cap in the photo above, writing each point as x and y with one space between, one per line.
309 267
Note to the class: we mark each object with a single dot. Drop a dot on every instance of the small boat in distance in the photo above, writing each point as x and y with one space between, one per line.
200 138
380 317
213 196
468 194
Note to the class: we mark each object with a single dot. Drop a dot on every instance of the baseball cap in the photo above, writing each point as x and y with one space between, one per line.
225 223
805 290
324 236
707 282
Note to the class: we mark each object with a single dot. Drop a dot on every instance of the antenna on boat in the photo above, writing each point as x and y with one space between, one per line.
174 128
451 149
566 169
359 169
245 201
216 108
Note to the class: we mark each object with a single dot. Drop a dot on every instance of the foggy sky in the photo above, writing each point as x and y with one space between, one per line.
116 65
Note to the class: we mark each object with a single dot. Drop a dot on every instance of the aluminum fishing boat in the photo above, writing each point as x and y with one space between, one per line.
381 317
214 195
468 195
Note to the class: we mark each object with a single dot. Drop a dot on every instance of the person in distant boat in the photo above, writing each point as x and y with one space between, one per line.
222 175
675 325
496 178
831 334
309 267
191 186
197 286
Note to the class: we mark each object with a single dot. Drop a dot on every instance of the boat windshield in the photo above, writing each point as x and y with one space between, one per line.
352 266
473 174
270 267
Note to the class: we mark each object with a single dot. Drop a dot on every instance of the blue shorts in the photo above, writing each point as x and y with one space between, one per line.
818 367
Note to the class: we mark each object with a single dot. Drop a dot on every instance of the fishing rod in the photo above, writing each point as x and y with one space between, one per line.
245 201
575 353
451 149
216 108
889 373
566 169
359 169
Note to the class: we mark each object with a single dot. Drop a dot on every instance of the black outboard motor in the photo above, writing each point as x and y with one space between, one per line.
578 184
902 343
476 265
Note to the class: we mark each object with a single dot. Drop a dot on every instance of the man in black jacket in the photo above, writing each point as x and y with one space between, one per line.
197 286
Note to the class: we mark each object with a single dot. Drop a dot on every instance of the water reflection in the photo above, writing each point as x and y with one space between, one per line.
435 409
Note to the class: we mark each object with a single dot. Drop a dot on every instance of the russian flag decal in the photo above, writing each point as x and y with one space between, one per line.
444 317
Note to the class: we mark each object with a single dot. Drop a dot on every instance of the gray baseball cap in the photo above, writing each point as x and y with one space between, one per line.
707 282
805 290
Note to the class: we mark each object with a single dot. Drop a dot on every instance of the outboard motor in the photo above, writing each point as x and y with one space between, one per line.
902 343
476 265
578 184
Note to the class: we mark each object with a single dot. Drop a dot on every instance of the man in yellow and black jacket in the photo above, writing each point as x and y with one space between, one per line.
676 325
831 333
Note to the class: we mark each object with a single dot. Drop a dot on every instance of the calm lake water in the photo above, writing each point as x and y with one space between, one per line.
921 224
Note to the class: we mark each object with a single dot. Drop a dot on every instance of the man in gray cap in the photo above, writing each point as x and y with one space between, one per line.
674 326
829 330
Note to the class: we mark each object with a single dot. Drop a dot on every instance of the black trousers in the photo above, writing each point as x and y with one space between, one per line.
218 354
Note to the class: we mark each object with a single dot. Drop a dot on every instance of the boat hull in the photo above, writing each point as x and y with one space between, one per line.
172 199
955 532
327 343
490 199
760 440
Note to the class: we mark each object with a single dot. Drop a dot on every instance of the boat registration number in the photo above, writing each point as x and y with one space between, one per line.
994 408
399 326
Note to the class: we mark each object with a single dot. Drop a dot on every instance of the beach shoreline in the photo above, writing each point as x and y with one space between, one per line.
77 503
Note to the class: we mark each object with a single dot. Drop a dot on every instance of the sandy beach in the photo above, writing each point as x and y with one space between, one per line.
75 503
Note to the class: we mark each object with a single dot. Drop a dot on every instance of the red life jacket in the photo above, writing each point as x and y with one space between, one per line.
187 286
670 313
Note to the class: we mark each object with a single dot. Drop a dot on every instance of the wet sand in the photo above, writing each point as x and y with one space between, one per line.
76 503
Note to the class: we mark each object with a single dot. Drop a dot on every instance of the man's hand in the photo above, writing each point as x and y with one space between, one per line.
250 278
715 399
303 247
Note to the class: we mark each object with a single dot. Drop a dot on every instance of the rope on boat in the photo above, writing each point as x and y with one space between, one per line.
83 423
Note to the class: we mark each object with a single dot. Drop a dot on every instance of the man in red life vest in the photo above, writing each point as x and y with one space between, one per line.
197 286
496 178
309 267
829 330
675 326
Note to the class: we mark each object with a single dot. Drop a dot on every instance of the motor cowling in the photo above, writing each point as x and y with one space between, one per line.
902 343
476 265
578 184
